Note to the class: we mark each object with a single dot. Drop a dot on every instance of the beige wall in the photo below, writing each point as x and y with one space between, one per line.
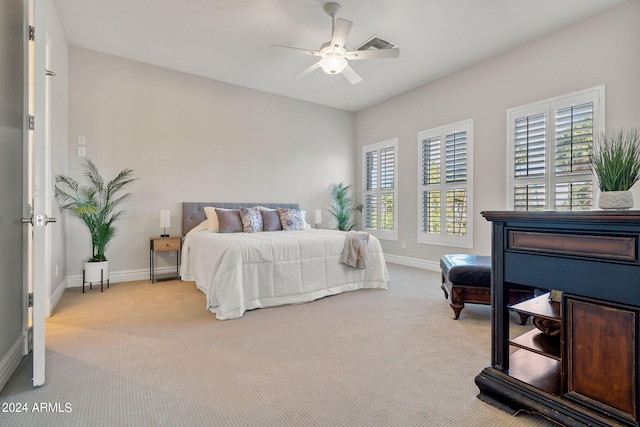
193 139
600 50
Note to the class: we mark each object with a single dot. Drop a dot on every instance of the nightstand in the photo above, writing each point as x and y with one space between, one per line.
164 244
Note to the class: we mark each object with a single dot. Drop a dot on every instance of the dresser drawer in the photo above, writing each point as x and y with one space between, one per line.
586 245
166 244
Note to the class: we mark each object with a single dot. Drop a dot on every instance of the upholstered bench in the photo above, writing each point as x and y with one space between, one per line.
467 279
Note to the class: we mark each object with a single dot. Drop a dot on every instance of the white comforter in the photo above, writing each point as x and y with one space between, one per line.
243 271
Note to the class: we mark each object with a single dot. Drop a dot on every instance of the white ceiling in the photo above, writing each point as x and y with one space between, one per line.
229 40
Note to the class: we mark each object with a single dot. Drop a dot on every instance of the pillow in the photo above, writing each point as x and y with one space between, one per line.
270 220
251 219
291 219
229 220
307 226
212 219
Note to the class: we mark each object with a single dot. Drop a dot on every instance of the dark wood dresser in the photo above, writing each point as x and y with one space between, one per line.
587 374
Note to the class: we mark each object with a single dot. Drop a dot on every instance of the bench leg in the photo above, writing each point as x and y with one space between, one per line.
457 301
444 289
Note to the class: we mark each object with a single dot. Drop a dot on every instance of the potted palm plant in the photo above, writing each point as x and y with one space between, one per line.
96 204
342 206
615 160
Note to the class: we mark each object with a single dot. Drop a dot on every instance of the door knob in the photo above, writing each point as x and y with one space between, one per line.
41 220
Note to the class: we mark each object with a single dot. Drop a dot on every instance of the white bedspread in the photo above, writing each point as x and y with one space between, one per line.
244 271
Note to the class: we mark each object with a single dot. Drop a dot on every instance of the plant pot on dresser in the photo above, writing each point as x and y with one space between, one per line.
615 200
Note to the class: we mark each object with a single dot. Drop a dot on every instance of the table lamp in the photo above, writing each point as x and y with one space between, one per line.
165 221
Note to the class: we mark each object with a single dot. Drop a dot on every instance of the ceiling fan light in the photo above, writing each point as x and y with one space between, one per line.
333 64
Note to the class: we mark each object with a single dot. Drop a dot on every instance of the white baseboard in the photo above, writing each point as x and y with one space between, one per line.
143 274
56 295
10 361
413 262
121 276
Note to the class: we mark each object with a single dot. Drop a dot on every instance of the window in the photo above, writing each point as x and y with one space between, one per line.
548 152
444 196
380 189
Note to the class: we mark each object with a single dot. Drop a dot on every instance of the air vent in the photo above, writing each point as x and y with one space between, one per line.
376 42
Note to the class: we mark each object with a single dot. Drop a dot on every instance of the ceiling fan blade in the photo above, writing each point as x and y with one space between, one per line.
374 53
351 75
297 49
341 30
307 70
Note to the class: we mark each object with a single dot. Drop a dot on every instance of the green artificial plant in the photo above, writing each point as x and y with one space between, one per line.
95 203
342 206
615 159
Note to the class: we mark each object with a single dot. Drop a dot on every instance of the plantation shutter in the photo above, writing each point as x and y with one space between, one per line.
456 198
530 144
444 194
371 171
379 210
370 207
551 142
456 163
431 150
573 143
431 211
387 182
387 161
431 161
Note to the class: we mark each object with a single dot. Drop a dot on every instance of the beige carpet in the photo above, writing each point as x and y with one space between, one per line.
151 355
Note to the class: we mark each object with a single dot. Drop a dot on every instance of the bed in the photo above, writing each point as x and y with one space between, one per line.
240 271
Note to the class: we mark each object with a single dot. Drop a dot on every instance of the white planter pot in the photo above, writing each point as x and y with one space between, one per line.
96 271
615 200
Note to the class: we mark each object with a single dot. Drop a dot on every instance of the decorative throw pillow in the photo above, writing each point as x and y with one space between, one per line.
270 220
229 220
291 219
304 219
251 219
212 219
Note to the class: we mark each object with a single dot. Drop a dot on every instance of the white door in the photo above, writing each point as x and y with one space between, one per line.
38 188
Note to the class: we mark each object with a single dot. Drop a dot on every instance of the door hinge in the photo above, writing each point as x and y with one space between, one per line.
32 122
32 32
30 304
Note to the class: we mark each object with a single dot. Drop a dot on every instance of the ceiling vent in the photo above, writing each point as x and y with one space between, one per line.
376 43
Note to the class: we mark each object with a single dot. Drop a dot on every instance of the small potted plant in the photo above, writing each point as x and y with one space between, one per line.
96 205
615 160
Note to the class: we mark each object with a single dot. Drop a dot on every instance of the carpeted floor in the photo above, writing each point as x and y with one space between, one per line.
151 355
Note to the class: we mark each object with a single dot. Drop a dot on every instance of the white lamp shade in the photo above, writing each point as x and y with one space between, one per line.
318 216
165 218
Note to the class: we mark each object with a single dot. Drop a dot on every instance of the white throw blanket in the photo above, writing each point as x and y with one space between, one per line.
356 247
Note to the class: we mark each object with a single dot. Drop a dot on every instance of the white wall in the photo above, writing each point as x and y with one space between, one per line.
193 139
600 50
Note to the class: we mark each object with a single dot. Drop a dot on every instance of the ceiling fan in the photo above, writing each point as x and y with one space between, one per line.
333 54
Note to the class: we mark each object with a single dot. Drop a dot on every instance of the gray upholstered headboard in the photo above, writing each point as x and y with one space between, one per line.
193 212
